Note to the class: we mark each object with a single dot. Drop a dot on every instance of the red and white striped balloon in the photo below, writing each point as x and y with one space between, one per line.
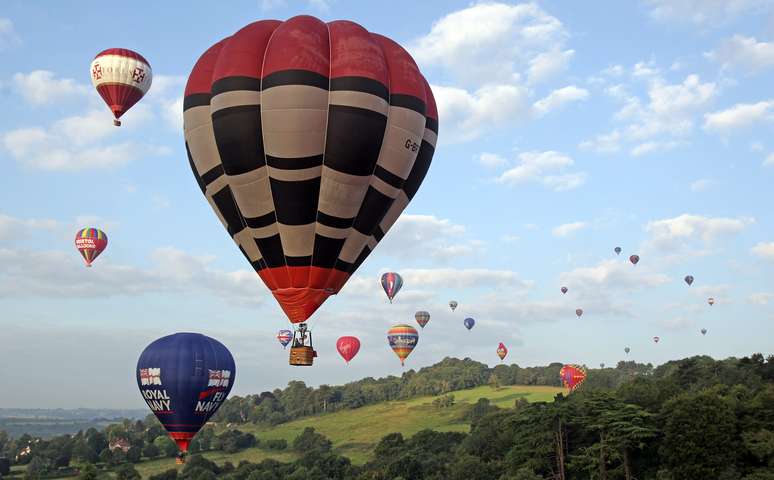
122 77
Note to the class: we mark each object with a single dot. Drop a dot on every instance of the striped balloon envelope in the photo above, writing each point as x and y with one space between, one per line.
572 376
284 337
90 242
391 283
422 317
122 77
402 339
308 139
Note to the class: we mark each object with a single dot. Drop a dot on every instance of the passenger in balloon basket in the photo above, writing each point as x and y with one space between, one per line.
302 352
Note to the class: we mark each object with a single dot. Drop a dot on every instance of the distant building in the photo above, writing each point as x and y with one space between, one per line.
120 444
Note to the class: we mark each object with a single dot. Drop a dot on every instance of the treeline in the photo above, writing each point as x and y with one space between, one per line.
298 400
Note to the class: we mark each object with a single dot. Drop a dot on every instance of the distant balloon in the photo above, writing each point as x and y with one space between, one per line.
469 322
703 331
403 339
391 283
579 312
422 317
572 376
453 305
348 347
502 351
122 77
90 242
602 365
627 350
689 280
634 259
564 289
284 337
184 378
711 301
656 339
617 250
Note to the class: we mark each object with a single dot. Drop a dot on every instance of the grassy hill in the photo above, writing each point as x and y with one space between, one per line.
354 433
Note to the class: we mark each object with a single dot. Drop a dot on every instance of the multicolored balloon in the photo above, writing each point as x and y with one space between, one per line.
689 280
284 337
422 317
711 301
572 376
391 283
656 339
627 350
617 250
90 242
184 378
563 289
634 259
502 351
264 108
348 347
122 77
469 323
703 331
402 339
453 305
579 312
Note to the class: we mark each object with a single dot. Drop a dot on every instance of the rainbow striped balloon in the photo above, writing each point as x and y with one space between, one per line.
90 242
403 338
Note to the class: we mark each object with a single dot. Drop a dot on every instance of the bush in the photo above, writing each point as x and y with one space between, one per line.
170 474
127 472
309 440
276 444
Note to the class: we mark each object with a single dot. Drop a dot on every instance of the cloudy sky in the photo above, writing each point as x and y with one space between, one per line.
565 130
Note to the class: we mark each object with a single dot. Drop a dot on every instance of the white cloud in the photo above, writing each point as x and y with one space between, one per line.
760 298
41 87
652 147
8 36
12 228
744 52
740 116
429 237
544 167
769 161
491 160
568 229
764 250
672 233
702 184
604 142
704 12
560 97
611 275
548 64
676 323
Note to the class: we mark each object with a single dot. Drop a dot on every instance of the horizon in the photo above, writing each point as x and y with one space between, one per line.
559 140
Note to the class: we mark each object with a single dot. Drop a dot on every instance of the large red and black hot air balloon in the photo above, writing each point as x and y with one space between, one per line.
308 139
122 77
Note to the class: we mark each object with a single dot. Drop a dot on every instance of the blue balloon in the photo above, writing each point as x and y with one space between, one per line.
184 378
469 322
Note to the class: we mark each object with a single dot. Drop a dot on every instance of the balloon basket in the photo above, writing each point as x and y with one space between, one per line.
180 460
116 122
302 356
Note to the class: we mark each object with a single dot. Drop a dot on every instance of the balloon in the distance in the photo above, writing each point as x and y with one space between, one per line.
627 350
284 337
563 289
617 250
122 77
468 322
689 280
703 331
402 339
602 365
184 378
502 351
391 283
711 301
579 312
348 347
90 242
572 376
453 305
422 317
265 107
634 259
656 339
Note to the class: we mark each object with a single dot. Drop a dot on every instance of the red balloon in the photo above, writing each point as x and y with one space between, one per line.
502 351
348 347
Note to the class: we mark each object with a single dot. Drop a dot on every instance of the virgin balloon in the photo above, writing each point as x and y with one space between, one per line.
348 347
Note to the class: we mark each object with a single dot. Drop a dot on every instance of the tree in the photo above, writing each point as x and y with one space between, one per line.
151 450
309 440
127 471
134 455
166 445
170 474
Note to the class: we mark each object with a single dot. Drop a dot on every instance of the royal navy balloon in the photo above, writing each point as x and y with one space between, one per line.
468 322
184 378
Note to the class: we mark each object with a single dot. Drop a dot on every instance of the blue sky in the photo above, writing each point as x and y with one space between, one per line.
565 130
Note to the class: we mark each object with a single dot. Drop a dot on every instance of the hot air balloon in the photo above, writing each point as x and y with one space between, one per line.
711 301
422 317
502 351
348 347
572 376
602 365
90 242
453 305
469 322
122 77
391 283
563 289
308 139
689 280
579 312
703 331
617 250
634 259
184 378
402 339
284 337
656 339
627 350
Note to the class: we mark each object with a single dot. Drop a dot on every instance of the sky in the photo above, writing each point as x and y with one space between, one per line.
566 129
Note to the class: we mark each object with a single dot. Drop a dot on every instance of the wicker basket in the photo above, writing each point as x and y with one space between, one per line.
302 356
